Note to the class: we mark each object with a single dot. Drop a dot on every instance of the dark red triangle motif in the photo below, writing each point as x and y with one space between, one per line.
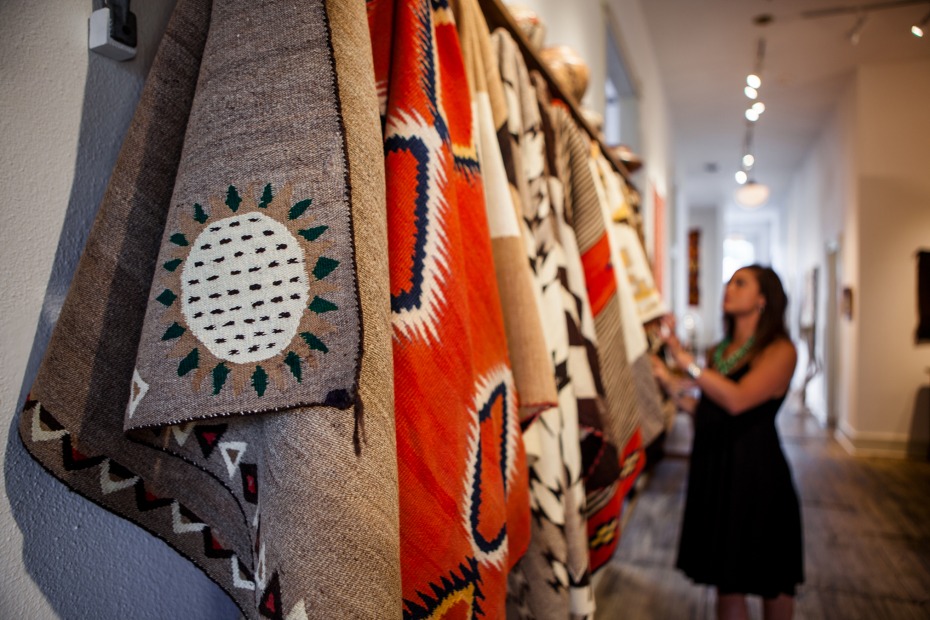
208 436
270 605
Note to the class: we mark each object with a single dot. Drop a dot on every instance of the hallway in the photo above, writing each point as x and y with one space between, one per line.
866 537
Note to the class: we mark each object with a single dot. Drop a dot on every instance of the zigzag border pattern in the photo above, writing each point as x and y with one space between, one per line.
464 587
112 478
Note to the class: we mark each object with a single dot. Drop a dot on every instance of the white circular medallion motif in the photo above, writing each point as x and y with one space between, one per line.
244 287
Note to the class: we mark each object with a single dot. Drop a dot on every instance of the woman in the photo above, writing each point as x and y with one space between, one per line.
742 526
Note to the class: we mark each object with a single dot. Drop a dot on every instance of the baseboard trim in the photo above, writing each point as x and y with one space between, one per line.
880 445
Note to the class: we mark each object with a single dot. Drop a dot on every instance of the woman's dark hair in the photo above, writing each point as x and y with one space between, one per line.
772 319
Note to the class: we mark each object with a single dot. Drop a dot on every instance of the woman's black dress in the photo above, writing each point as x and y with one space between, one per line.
742 526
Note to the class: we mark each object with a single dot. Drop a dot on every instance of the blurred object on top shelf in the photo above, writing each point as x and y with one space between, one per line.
533 28
568 68
596 120
625 154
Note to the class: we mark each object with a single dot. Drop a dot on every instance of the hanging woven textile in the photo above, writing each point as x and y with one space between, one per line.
599 453
462 468
583 210
648 399
532 367
553 580
220 373
649 302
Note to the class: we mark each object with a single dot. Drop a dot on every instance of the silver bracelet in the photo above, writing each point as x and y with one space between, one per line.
694 371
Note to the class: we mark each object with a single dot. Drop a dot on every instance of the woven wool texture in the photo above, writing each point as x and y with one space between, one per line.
648 400
649 303
600 459
254 304
462 467
239 495
529 358
553 580
583 211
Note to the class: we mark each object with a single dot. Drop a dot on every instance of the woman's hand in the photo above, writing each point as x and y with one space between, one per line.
667 330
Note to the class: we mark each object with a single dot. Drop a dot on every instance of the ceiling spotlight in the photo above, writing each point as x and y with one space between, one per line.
752 93
741 177
753 80
752 195
918 29
748 161
856 33
752 115
759 107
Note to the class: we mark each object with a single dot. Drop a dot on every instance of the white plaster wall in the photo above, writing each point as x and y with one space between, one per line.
894 209
63 112
865 186
628 22
821 209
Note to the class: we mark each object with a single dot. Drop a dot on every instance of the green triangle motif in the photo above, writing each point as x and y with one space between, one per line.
233 199
178 239
320 305
171 265
199 214
260 380
293 363
314 343
173 332
189 363
219 377
324 266
299 208
166 297
311 234
267 197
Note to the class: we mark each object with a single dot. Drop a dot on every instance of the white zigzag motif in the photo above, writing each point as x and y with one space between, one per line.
238 581
298 612
180 525
232 464
261 569
40 434
381 91
136 392
495 384
415 316
182 431
107 485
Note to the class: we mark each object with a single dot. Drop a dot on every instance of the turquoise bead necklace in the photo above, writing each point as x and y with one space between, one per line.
724 366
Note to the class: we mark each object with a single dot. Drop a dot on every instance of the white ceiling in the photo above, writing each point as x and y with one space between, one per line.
705 49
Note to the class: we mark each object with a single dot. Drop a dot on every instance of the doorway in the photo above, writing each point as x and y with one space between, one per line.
831 337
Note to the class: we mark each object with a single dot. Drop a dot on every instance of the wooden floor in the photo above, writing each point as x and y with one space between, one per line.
866 536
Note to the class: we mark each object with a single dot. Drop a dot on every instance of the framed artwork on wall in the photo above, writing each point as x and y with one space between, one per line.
846 303
922 334
694 267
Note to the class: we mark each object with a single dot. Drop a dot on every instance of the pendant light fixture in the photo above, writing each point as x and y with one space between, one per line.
751 194
918 29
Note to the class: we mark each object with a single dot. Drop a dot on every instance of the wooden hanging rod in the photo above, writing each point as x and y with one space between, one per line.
498 16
